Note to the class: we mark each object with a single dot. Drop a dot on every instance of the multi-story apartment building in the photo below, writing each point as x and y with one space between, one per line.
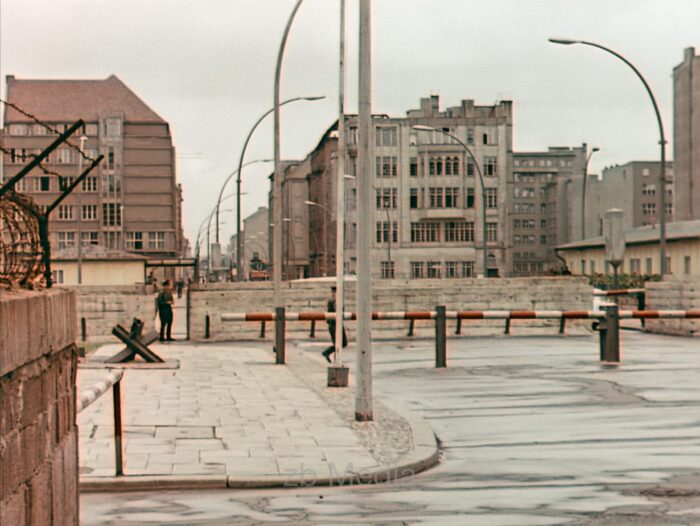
632 188
543 207
686 136
132 200
427 196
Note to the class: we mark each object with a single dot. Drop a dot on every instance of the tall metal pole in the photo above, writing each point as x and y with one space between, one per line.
363 392
277 188
662 143
340 198
583 192
466 148
238 181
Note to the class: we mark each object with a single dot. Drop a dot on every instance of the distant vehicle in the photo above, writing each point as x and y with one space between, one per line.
258 275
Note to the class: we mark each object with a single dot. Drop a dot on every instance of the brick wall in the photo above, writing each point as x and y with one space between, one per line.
390 295
675 293
104 307
38 436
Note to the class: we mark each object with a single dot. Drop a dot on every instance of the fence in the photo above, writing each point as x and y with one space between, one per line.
87 397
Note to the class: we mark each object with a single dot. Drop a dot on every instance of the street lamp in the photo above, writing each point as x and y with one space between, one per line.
240 171
420 127
662 142
583 192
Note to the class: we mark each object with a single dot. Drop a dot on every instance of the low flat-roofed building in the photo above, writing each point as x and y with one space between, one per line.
587 257
98 266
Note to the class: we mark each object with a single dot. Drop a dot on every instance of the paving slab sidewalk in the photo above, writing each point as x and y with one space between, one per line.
224 415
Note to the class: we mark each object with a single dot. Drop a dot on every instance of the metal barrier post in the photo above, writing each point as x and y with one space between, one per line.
83 329
207 327
312 331
440 337
410 328
612 334
507 331
117 402
562 325
641 299
262 329
458 330
280 323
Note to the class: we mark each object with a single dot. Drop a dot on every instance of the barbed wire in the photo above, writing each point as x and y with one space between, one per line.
54 131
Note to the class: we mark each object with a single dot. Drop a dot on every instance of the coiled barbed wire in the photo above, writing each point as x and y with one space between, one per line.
20 246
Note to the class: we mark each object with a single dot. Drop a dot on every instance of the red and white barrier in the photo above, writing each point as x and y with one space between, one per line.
87 397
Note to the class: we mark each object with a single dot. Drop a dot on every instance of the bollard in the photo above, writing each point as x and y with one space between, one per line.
312 331
562 325
458 330
83 329
611 350
410 328
117 403
641 304
279 335
262 329
207 327
507 331
440 337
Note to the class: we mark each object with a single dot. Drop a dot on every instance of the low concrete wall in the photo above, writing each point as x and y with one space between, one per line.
38 435
676 293
389 295
103 307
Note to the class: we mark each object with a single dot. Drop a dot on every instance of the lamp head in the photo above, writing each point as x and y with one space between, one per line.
595 149
310 203
421 127
564 41
317 97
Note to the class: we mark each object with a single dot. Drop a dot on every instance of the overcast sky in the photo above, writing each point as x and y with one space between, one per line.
207 67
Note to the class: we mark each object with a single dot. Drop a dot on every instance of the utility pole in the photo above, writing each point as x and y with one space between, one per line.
340 198
363 392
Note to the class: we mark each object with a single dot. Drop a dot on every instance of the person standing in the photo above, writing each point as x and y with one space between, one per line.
331 328
165 311
180 286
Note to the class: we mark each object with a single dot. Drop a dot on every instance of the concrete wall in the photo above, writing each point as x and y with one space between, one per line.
389 295
38 436
677 293
104 307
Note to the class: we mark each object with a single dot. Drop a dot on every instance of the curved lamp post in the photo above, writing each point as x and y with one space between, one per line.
240 171
662 142
420 127
583 192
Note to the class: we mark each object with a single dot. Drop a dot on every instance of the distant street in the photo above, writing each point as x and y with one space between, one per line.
534 432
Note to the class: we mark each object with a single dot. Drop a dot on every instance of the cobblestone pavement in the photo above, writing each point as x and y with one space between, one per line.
229 415
533 432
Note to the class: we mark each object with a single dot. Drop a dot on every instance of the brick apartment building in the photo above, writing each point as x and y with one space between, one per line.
132 201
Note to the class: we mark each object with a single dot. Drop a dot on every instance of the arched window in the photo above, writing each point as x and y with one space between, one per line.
431 163
448 166
455 166
439 166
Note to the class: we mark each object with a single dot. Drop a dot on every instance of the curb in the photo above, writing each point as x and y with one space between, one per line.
424 455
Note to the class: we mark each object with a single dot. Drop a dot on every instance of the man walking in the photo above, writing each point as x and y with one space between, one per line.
331 328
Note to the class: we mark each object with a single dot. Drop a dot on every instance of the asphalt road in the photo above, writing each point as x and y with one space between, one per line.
533 431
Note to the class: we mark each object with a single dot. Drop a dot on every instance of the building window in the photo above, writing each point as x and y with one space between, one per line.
459 231
649 209
413 167
648 266
113 127
490 167
470 198
433 269
111 162
592 263
669 209
492 232
686 265
385 135
425 232
668 264
111 214
491 197
470 135
413 200
89 238
543 240
583 267
134 240
451 197
635 266
352 135
89 184
467 269
417 269
387 166
65 212
18 129
436 195
42 184
470 168
89 213
57 276
386 197
451 270
156 240
648 189
66 240
387 269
